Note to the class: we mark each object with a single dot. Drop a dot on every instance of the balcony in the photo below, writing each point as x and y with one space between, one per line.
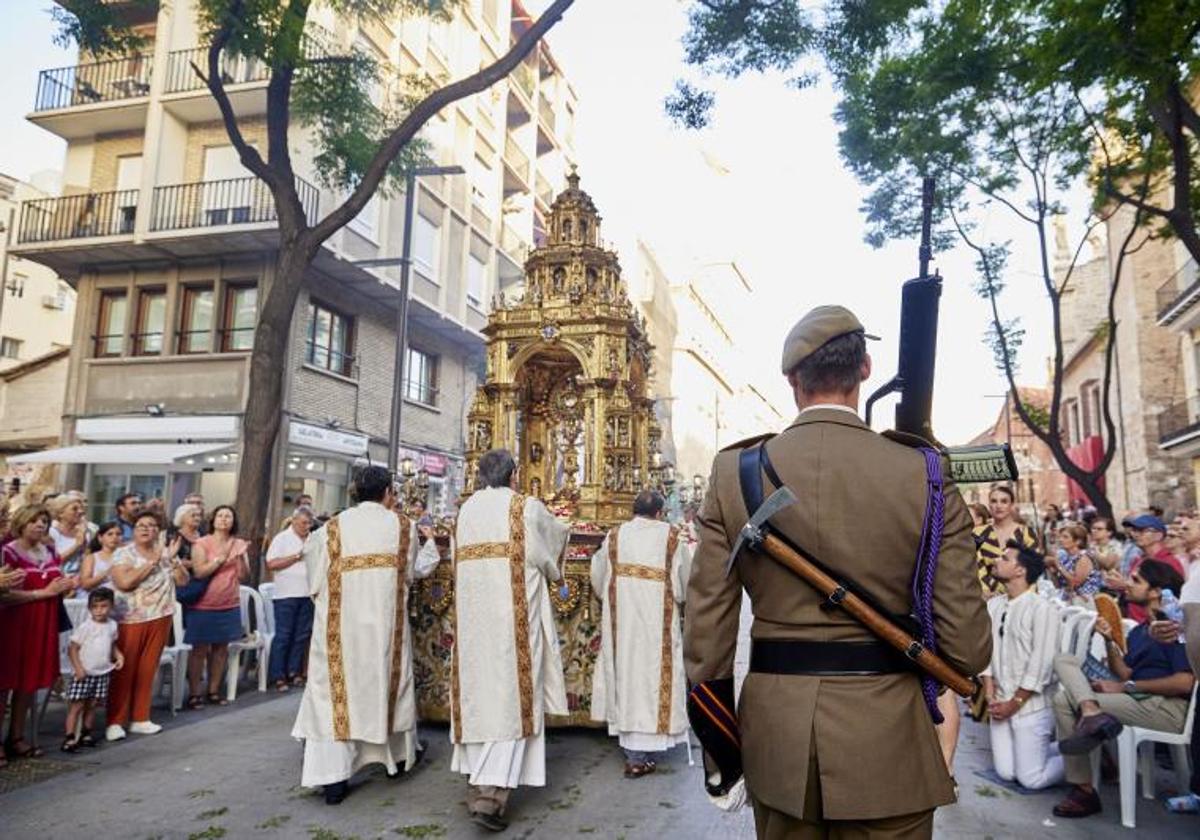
513 244
237 201
523 76
544 192
1176 299
93 98
516 159
1179 427
84 216
546 113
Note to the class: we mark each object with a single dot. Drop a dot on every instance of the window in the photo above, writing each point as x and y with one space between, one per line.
16 286
476 280
238 317
426 246
367 220
330 340
196 320
151 321
110 324
10 348
420 377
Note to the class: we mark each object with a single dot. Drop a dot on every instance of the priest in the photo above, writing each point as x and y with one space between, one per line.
640 574
358 706
506 671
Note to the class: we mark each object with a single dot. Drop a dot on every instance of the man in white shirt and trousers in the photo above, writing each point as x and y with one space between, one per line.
358 706
640 574
506 673
1025 630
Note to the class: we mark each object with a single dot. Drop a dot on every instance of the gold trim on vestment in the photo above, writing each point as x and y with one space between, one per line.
333 635
612 594
666 672
516 542
401 617
635 570
455 699
483 551
359 562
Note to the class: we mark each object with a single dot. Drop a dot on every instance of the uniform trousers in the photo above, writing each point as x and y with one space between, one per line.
1163 713
129 693
770 824
1023 750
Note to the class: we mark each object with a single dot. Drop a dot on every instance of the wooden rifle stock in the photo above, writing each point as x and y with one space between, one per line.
869 617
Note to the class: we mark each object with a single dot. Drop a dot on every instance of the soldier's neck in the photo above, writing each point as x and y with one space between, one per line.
809 400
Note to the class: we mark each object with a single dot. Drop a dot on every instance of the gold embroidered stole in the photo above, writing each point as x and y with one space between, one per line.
634 570
514 549
339 565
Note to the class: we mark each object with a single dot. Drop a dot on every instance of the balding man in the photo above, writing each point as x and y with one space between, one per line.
640 574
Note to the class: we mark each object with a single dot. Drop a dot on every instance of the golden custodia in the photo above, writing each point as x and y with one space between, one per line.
568 367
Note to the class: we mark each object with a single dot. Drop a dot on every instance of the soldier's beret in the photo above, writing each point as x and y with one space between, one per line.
820 326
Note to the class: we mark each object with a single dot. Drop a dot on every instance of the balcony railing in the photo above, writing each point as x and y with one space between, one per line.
78 216
238 201
512 243
517 159
1182 288
545 192
1178 420
235 69
100 81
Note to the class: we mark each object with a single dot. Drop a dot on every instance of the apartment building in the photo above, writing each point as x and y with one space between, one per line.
169 243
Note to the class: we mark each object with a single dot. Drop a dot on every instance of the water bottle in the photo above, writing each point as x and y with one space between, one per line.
1173 610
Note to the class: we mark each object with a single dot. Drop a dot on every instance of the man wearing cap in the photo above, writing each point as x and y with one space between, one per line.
1148 532
835 733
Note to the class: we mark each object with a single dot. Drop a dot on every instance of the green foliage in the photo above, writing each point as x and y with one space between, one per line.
98 27
1039 414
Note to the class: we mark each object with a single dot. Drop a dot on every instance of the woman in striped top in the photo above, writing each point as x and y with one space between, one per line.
991 539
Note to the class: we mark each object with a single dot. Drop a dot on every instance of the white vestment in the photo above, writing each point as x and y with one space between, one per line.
358 706
506 670
638 686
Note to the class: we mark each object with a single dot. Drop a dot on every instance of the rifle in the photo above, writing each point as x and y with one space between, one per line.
919 304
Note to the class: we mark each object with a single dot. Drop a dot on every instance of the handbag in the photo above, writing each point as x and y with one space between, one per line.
191 592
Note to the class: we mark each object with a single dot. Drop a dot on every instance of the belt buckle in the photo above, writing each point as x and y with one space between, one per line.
914 650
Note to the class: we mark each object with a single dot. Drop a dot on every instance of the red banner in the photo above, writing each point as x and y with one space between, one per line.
1086 455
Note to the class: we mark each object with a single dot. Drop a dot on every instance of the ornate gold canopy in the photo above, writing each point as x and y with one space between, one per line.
567 373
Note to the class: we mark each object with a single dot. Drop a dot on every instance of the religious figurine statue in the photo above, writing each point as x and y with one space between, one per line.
535 487
483 436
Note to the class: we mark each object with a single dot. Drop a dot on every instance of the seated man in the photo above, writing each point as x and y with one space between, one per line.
1025 629
1152 688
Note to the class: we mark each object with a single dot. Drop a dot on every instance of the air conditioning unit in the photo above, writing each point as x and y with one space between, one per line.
53 302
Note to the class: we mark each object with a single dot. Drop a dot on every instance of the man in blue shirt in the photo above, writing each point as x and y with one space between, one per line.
1154 681
127 507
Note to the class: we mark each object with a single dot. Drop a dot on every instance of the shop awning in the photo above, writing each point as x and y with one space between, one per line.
162 454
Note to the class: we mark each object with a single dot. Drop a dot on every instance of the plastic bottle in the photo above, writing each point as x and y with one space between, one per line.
1173 610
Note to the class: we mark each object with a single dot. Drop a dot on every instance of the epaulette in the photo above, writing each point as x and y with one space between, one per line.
748 442
911 440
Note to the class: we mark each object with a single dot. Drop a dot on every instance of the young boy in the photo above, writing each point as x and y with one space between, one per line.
94 658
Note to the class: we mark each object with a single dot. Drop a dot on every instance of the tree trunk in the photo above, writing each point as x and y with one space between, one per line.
264 400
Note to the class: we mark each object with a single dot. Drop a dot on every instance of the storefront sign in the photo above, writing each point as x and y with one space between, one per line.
432 462
329 440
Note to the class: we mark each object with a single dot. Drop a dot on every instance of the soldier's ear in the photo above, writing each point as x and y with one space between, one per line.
866 367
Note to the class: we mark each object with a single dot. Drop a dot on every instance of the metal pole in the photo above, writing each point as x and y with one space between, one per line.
410 188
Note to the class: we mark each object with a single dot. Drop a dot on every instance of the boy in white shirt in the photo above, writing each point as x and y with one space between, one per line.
93 658
1025 629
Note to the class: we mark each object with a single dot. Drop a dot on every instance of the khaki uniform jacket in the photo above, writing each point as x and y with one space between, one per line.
860 510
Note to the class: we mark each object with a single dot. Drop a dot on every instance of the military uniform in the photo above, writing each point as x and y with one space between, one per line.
823 753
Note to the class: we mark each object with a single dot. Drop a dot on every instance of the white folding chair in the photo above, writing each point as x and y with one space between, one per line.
175 659
1068 615
257 641
1131 759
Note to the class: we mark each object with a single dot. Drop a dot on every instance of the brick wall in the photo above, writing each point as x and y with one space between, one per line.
203 135
108 148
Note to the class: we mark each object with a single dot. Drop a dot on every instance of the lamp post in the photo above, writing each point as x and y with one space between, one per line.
405 262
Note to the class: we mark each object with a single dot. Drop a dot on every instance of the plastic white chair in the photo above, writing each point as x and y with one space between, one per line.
175 659
1066 640
267 590
258 641
1131 759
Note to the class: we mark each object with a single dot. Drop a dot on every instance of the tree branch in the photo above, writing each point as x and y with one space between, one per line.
249 156
426 109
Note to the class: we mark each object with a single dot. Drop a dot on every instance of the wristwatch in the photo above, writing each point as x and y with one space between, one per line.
1130 686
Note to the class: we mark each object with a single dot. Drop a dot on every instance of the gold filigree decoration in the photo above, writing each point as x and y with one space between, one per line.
399 618
634 570
333 635
455 695
438 592
516 541
483 551
576 592
667 670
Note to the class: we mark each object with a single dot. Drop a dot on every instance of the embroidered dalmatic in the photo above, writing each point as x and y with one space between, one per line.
358 706
506 672
640 574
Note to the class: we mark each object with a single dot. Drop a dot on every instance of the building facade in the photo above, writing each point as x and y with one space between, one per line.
170 245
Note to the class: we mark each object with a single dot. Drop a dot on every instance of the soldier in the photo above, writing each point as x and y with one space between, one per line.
835 735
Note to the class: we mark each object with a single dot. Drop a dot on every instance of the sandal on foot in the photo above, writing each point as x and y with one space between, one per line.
70 744
195 702
86 739
636 771
215 699
298 681
30 751
281 686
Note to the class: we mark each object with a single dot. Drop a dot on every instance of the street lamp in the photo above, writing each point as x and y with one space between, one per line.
405 263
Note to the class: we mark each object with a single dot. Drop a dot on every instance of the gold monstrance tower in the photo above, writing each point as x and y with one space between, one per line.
567 373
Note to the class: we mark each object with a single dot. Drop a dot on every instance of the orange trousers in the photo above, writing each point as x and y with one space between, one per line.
129 692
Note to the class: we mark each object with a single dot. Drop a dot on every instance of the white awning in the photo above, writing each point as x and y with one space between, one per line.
162 454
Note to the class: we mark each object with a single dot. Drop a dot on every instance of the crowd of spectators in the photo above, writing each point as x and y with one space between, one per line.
1137 589
124 580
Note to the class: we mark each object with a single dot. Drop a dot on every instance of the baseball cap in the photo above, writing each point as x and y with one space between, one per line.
1146 522
818 327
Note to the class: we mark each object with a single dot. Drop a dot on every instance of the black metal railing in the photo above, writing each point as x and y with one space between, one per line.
1173 292
235 69
148 343
78 216
188 342
236 339
237 201
1178 420
108 345
99 81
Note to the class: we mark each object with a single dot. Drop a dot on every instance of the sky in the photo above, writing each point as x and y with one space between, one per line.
763 186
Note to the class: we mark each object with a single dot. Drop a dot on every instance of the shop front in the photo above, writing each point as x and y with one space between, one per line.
319 462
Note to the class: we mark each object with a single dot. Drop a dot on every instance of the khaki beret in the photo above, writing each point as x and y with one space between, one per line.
820 326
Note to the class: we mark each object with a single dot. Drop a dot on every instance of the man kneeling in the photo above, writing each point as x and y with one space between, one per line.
1153 683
